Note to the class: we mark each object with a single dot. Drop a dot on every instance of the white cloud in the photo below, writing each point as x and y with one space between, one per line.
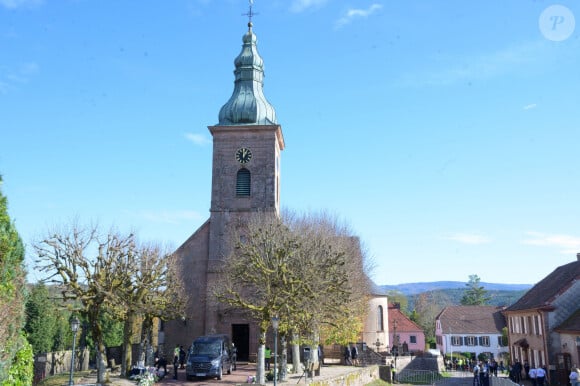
530 106
302 5
198 139
13 4
354 13
175 217
21 75
483 66
468 238
566 243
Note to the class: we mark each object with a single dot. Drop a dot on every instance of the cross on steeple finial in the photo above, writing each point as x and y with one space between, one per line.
250 13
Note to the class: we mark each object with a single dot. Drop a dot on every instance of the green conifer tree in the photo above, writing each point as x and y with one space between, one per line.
475 294
15 353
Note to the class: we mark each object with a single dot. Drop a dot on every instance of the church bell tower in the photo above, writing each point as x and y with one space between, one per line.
247 143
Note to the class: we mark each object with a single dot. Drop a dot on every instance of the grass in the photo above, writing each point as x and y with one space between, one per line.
62 379
378 382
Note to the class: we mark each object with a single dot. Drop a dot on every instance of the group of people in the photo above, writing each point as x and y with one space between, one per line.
481 373
536 375
351 355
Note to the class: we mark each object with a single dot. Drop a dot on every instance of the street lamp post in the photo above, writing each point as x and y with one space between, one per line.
275 324
74 326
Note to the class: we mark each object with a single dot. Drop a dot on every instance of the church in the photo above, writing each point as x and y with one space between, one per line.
247 147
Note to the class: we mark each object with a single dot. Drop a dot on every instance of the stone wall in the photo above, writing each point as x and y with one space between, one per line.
53 363
361 377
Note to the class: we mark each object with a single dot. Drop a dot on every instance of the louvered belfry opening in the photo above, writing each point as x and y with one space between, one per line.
243 183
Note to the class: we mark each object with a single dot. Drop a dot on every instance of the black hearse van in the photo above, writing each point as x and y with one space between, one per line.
209 356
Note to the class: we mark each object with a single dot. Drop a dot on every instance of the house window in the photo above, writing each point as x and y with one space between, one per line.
522 325
412 339
471 340
484 341
380 325
457 341
243 180
500 341
537 324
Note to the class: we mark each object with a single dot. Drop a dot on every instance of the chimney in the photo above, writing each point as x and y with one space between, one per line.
578 256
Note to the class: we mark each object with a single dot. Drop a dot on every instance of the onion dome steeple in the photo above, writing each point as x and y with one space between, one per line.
248 105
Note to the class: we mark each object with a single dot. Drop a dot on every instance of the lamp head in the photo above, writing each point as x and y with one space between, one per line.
74 324
275 322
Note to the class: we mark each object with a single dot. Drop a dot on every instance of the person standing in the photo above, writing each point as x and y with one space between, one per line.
485 373
540 376
476 375
181 357
532 375
347 356
176 355
574 377
267 356
354 354
527 369
518 372
320 355
234 356
175 361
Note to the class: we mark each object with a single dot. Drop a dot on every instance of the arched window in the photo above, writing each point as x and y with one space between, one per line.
380 325
243 183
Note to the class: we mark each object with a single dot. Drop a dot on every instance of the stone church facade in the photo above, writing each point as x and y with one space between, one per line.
247 146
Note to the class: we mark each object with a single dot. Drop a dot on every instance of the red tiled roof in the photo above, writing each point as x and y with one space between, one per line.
544 292
404 324
471 319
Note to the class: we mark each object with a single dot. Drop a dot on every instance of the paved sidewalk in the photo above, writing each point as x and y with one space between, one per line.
245 370
240 376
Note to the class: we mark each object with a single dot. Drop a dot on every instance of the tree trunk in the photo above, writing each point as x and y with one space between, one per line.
260 370
97 333
127 351
295 354
102 375
145 349
283 357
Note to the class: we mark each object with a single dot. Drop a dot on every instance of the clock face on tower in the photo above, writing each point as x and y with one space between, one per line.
243 155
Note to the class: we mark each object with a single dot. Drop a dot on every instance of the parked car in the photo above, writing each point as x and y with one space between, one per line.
209 356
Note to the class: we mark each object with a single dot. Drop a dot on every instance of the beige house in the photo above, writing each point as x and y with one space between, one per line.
543 324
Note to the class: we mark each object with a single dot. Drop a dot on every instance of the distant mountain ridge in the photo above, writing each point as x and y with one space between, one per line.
408 289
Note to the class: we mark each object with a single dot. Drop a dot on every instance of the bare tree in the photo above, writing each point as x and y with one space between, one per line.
92 270
332 262
304 272
256 275
153 292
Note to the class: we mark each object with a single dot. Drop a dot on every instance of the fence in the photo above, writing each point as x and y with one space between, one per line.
417 377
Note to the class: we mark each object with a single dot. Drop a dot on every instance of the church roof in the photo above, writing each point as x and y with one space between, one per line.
248 105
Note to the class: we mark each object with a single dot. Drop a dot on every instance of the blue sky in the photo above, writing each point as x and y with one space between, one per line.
445 133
